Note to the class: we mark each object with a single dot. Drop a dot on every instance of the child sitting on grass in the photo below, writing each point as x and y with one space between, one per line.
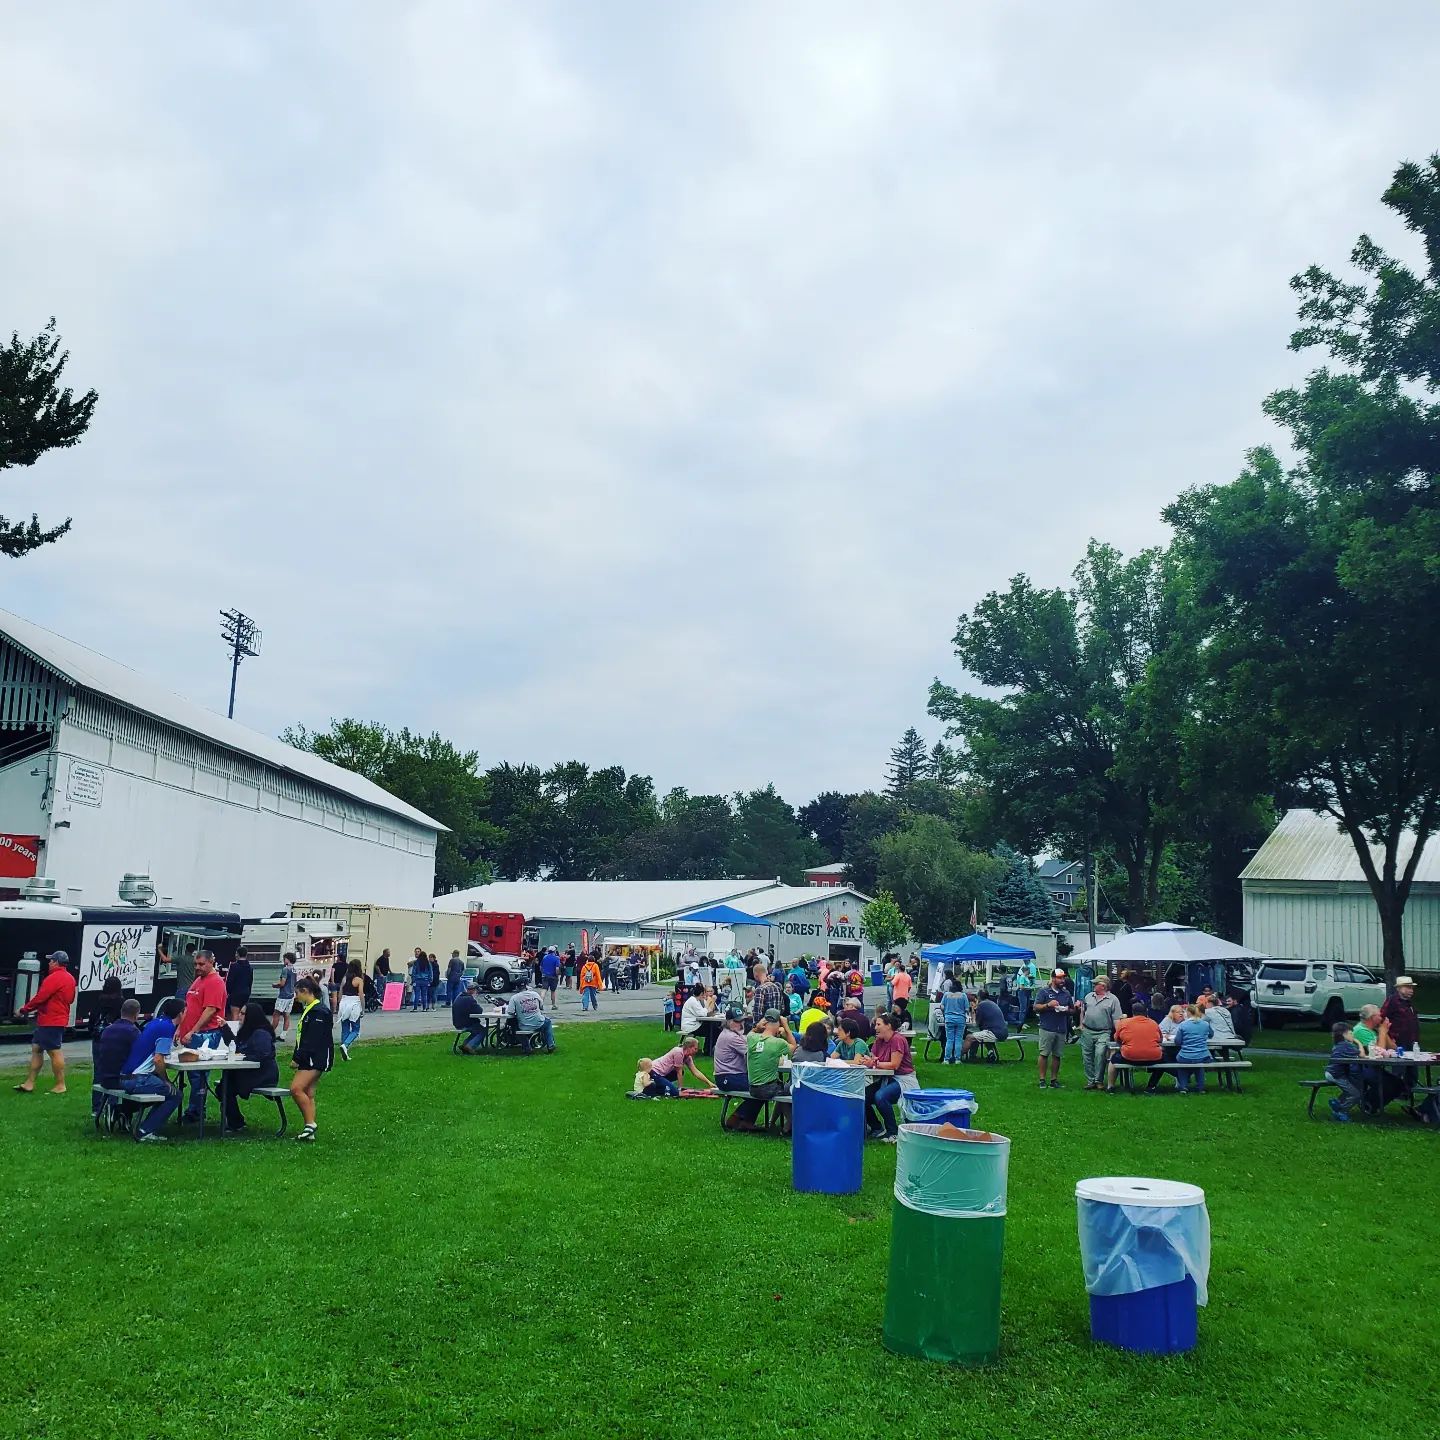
1343 1049
642 1075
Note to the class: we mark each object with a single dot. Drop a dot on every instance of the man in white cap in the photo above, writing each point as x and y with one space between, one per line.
1053 1006
1399 1024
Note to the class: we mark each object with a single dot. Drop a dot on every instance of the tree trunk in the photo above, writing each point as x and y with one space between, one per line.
1392 914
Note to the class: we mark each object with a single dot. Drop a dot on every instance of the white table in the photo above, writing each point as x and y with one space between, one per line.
225 1065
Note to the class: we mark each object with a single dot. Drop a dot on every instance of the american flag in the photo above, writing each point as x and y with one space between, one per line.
827 919
974 915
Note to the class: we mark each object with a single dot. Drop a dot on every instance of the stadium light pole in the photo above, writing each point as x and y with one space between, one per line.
243 637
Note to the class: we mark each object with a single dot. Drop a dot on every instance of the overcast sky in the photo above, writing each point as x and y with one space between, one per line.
654 384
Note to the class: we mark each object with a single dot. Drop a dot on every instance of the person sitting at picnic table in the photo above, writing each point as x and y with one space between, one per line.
850 1044
990 1025
1139 1038
254 1040
1193 1037
815 1044
1366 1030
1172 1022
1100 1012
526 1012
855 1010
465 1015
113 1045
768 1044
1218 1018
814 1011
1343 1050
144 1070
890 1058
667 1070
901 1012
1399 1024
954 1010
731 1056
1160 1006
700 1006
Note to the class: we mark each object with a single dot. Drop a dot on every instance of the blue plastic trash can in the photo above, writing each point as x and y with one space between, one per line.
827 1122
936 1107
877 975
1145 1249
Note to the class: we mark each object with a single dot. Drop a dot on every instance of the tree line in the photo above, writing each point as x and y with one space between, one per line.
1155 714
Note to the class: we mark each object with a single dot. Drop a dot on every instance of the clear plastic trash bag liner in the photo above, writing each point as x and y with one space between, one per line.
1128 1248
930 1107
957 1178
844 1080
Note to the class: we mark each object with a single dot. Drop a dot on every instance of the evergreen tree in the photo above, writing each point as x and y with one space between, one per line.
909 762
944 764
1019 898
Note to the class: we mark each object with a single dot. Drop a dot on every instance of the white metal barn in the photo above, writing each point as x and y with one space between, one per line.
1305 897
102 771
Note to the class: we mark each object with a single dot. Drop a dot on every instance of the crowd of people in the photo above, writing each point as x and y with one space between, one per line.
758 1036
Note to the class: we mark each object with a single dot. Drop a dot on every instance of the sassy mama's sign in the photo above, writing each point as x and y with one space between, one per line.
126 951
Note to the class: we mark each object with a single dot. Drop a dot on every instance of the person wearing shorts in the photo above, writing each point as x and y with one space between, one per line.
285 1000
314 1052
1053 1006
550 973
51 1004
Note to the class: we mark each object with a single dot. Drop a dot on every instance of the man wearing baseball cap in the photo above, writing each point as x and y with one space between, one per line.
1053 1006
1399 1024
51 1004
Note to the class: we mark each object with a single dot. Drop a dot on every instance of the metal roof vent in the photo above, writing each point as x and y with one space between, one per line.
136 889
40 887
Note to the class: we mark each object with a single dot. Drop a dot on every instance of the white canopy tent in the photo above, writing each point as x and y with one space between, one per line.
1164 945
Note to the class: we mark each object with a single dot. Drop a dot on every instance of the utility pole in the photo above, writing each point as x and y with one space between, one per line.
1092 890
243 637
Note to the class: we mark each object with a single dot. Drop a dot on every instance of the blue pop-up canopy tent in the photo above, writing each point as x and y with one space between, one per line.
975 947
723 915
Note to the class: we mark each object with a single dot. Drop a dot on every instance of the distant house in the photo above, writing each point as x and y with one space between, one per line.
1064 879
825 877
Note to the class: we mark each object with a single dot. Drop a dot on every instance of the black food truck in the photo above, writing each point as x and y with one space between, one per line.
151 948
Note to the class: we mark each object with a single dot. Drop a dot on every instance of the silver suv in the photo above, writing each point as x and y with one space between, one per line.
1322 991
495 973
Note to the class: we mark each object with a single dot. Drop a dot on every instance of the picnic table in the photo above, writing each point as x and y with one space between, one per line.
1223 1061
226 1066
710 1028
491 1022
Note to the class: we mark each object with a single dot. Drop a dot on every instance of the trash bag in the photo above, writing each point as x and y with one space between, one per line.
956 1178
1142 1234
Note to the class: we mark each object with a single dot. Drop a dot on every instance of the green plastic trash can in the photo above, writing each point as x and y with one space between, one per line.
946 1240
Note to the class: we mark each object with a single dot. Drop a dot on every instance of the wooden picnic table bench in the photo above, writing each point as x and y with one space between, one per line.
1228 1070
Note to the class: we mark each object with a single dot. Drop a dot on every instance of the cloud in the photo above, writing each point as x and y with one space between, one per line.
654 385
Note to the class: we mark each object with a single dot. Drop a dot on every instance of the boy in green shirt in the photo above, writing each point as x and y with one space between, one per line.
850 1046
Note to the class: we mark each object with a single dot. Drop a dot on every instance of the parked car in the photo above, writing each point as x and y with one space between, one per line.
1322 991
495 973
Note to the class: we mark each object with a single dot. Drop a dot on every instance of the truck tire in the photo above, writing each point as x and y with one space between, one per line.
496 981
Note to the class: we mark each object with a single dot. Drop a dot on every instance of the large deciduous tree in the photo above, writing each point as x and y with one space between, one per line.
1080 751
425 771
769 839
1322 578
37 414
933 877
825 818
883 923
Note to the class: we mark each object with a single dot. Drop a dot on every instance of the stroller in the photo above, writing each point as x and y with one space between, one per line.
372 996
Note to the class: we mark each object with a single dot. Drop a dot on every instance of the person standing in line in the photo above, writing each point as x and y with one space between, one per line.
239 983
51 1004
201 1026
1026 979
338 967
433 988
285 996
381 974
454 977
589 985
419 980
1053 1006
352 1006
955 1008
314 1052
1100 1013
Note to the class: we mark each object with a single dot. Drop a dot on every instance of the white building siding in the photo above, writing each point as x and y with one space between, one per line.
208 824
1337 921
800 930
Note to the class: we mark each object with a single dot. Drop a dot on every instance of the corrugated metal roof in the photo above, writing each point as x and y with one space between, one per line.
90 670
838 868
615 902
777 898
1307 846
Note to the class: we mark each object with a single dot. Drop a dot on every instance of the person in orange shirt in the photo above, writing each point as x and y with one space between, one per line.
589 984
1139 1038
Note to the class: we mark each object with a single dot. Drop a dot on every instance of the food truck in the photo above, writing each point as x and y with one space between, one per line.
151 948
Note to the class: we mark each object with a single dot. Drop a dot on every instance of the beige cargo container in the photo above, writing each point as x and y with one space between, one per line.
374 927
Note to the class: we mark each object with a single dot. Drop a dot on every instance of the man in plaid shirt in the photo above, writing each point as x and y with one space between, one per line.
767 995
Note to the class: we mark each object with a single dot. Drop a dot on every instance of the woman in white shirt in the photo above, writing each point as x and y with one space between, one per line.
700 1006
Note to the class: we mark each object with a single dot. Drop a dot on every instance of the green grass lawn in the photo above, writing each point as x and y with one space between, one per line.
1309 1038
505 1246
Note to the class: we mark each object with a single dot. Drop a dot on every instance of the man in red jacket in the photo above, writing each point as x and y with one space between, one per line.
51 1004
